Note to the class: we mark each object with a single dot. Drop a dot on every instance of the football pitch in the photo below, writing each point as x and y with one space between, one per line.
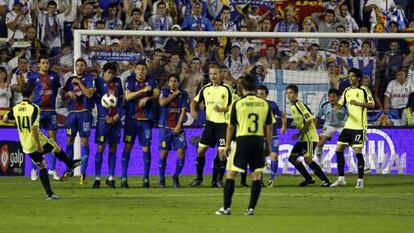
386 204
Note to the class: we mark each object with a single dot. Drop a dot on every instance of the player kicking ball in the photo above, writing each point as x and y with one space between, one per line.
34 142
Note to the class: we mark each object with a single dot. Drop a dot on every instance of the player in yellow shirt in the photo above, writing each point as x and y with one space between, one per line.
216 97
308 137
250 118
358 100
34 142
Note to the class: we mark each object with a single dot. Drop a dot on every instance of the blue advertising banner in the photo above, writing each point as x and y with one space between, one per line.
387 151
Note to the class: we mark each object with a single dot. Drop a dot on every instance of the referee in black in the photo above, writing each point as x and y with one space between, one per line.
250 117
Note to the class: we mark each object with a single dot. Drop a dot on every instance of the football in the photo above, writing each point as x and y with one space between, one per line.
108 101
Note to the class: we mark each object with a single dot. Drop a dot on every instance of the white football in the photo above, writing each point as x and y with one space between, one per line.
108 101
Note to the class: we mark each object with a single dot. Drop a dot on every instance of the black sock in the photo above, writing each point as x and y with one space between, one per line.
228 193
254 193
361 165
64 158
243 178
44 177
215 169
200 167
222 169
318 171
340 160
299 166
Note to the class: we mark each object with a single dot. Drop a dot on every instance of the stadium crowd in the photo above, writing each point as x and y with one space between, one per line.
32 27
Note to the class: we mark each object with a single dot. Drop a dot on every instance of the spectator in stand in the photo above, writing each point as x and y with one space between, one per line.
410 75
175 44
270 60
19 78
312 60
4 59
389 64
111 19
86 19
351 24
366 49
236 62
174 66
51 26
244 42
191 79
35 44
289 23
201 53
131 5
344 49
328 24
97 43
373 9
333 74
156 67
408 112
397 93
225 77
17 22
331 4
228 24
5 92
197 22
160 22
308 25
137 21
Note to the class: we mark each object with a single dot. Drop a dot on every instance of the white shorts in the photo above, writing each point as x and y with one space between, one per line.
328 131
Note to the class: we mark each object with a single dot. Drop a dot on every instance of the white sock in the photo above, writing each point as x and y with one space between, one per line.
110 178
97 178
341 178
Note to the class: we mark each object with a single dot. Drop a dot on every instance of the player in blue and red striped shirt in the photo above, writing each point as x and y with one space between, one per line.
46 84
174 104
140 93
78 91
108 126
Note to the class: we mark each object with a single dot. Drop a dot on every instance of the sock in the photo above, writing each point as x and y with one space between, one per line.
254 193
318 171
274 164
44 177
302 170
69 151
200 167
299 166
111 163
52 162
147 164
215 169
228 193
98 163
222 169
161 167
361 165
62 156
34 166
340 160
125 162
243 178
84 157
179 166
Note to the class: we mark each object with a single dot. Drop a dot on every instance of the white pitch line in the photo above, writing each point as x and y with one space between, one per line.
180 195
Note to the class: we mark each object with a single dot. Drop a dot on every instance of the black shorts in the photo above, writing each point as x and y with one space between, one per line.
214 133
37 157
352 137
248 150
304 149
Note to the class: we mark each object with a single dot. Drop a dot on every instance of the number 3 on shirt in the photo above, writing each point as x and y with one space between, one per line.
253 117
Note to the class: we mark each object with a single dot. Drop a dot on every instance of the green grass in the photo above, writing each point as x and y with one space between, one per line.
386 204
